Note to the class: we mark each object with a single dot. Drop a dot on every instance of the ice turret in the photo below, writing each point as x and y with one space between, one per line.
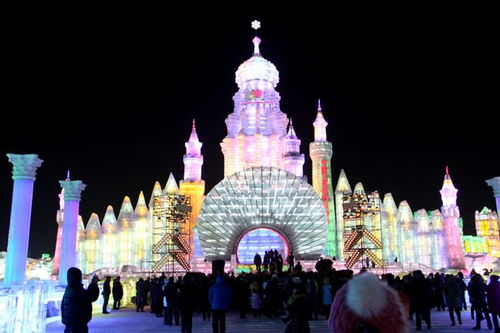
293 160
193 159
320 125
452 231
448 191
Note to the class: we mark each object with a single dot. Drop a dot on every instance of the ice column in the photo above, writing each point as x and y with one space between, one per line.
23 173
495 184
72 194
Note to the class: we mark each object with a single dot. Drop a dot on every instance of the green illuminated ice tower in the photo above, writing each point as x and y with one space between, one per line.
321 153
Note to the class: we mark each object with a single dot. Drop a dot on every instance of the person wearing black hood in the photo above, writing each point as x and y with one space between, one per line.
117 293
106 291
76 307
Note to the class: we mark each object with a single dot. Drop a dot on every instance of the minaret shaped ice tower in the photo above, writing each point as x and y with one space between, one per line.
256 129
193 185
452 232
321 154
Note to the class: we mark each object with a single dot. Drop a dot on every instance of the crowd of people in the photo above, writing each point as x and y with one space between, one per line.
351 303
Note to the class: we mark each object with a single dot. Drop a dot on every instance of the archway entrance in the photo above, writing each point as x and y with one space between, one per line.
258 241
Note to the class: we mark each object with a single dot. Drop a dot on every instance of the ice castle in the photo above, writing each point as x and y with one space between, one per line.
265 201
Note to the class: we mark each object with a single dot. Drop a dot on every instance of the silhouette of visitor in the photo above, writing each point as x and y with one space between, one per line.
106 291
76 307
117 293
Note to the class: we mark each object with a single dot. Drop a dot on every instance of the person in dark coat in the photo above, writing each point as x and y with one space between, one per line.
140 294
171 293
257 261
219 296
187 301
156 297
76 307
298 312
477 293
106 291
291 261
117 293
421 299
452 291
493 296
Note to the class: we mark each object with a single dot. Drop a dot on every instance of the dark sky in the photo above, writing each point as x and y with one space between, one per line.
111 97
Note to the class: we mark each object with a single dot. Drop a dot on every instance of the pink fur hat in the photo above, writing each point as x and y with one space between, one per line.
364 300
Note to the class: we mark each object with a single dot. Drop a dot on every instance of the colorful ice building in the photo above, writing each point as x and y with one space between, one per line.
264 201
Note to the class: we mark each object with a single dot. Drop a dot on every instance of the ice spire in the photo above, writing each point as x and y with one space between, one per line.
320 125
156 192
405 215
389 204
193 159
359 189
343 185
93 229
141 210
256 41
126 214
109 223
448 191
171 186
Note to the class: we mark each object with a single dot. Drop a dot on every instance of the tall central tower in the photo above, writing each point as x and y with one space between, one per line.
321 153
256 129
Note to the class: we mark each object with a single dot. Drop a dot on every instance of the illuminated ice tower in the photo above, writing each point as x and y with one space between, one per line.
451 215
59 220
192 185
293 160
256 129
321 153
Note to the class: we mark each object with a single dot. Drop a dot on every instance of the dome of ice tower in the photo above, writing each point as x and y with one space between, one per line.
257 68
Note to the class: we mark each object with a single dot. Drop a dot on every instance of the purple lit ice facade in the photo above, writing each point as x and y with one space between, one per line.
258 241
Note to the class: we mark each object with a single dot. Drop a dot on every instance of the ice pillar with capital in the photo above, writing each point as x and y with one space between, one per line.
23 173
495 184
72 194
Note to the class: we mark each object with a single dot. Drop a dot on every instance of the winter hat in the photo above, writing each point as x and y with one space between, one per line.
366 302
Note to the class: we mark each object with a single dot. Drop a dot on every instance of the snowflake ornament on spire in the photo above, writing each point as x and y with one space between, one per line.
255 25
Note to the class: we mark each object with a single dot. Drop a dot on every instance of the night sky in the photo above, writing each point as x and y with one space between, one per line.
111 97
